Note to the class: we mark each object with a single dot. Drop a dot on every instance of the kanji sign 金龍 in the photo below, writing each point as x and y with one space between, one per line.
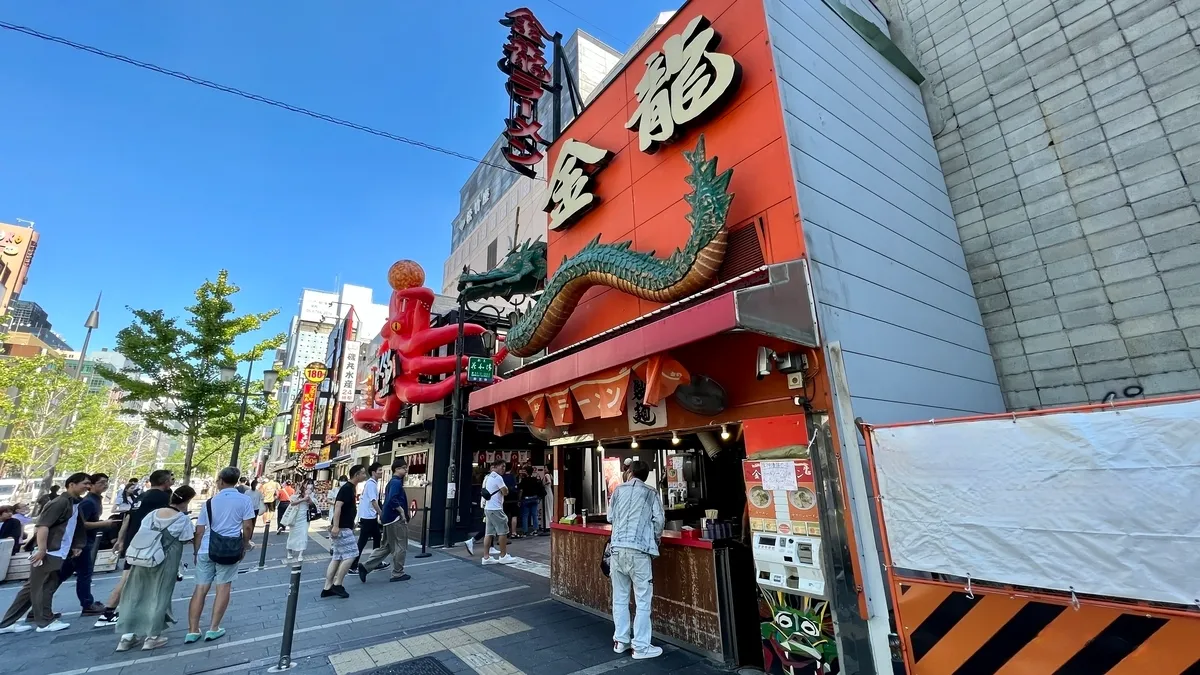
682 82
528 78
570 189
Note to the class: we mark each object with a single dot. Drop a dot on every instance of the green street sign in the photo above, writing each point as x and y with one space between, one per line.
481 370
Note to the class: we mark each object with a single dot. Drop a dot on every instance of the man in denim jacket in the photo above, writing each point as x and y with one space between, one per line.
636 514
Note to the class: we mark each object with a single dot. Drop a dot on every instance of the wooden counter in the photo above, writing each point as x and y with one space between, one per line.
685 609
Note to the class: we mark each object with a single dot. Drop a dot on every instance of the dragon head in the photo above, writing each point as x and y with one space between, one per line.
522 272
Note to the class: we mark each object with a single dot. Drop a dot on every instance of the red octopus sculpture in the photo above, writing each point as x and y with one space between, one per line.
407 339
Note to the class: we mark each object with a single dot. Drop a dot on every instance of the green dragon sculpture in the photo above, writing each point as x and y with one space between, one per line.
684 272
521 273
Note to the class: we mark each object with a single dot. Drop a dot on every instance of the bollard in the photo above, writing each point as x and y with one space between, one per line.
262 556
289 624
424 535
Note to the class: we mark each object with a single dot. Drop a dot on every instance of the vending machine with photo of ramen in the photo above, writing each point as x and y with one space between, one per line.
785 533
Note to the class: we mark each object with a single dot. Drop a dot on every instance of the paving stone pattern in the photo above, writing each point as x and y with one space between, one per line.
1069 135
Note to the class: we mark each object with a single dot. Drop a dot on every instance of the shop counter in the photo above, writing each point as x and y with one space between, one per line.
693 586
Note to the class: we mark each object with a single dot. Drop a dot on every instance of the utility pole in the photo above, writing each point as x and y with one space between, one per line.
92 323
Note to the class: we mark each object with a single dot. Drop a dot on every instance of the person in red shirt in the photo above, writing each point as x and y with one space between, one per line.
284 495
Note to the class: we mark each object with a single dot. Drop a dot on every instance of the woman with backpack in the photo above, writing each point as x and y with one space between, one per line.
153 556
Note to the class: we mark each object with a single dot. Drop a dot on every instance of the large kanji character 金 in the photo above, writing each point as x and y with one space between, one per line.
682 82
569 196
524 23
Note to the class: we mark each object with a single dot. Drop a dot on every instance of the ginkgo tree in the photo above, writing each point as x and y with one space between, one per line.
172 377
44 407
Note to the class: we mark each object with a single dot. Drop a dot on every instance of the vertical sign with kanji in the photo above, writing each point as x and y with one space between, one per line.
528 79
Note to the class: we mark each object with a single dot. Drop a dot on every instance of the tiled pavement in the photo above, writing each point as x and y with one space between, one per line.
445 594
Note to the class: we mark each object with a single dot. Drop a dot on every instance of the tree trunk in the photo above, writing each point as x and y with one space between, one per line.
187 458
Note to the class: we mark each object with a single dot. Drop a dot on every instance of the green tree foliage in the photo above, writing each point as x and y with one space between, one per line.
173 376
44 407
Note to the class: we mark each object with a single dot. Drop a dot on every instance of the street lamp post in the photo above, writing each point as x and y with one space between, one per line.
269 378
92 323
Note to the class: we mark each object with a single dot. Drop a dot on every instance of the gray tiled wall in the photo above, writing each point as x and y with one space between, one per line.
1069 135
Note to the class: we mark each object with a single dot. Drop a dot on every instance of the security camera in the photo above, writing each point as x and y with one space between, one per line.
762 367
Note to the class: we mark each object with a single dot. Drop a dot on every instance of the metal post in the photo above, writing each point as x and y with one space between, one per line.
92 323
424 534
289 624
455 413
237 437
262 556
556 86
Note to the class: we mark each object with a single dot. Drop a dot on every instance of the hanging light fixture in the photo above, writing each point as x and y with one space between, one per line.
633 443
724 432
674 438
599 447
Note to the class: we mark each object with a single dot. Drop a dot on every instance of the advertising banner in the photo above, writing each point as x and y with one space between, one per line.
305 415
349 381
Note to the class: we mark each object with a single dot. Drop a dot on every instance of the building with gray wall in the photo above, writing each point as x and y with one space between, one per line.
888 273
1069 135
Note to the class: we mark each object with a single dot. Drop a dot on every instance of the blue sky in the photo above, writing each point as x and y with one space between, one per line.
142 186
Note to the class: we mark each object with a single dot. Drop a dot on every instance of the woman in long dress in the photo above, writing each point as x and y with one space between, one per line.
145 609
297 522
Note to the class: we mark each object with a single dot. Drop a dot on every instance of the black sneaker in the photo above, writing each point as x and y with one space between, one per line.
362 574
384 565
402 577
106 620
327 593
340 591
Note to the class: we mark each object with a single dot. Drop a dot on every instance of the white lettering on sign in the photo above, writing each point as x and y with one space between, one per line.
570 193
681 83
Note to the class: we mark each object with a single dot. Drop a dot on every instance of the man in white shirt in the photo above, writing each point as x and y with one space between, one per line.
369 509
229 513
494 491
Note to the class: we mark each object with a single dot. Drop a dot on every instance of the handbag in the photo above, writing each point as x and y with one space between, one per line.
222 549
313 512
605 565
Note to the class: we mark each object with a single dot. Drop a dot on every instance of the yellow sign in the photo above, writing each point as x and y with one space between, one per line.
315 372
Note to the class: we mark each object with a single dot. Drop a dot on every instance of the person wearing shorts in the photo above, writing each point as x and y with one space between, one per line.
229 513
496 522
342 545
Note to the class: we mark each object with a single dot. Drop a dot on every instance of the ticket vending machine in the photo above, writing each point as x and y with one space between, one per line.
786 536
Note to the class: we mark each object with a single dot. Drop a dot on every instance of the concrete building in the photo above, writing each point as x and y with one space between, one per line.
1069 135
28 317
17 246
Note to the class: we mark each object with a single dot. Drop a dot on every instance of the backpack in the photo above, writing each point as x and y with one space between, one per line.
146 549
222 549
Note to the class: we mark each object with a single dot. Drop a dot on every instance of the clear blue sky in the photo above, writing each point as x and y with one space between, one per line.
142 185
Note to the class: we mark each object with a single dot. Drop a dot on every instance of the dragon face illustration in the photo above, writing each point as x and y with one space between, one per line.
801 638
521 273
642 275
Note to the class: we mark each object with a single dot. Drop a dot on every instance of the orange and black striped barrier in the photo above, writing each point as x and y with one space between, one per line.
948 631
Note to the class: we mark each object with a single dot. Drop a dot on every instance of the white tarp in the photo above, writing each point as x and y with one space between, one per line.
1106 503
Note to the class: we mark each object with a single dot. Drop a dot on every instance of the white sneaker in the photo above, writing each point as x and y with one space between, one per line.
620 647
648 653
16 628
507 560
54 627
490 561
470 544
494 551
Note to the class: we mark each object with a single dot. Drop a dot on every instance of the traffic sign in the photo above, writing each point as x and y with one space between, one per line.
481 370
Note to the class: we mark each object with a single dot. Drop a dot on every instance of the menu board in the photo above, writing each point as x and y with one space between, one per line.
675 479
781 496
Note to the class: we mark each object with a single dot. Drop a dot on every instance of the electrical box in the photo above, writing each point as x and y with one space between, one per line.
789 563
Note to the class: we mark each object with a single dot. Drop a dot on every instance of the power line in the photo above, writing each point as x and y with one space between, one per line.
598 28
245 94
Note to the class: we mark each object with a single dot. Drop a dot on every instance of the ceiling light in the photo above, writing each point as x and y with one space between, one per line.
724 432
599 447
674 438
633 443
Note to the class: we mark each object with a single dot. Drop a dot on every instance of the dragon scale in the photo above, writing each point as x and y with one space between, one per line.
643 275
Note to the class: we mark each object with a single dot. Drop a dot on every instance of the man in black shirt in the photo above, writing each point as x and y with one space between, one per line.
342 545
90 510
157 497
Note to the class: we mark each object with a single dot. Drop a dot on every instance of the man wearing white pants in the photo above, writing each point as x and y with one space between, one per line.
636 514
